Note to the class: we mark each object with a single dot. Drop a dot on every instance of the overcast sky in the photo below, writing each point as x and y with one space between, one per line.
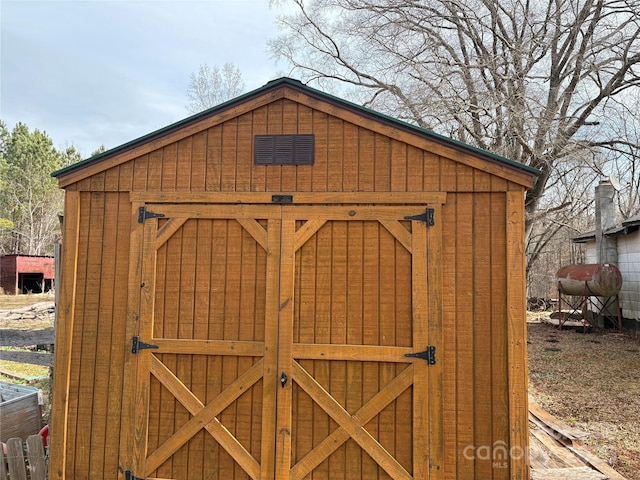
92 72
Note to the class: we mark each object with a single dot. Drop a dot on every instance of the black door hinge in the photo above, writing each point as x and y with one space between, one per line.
426 217
137 345
130 476
143 214
429 355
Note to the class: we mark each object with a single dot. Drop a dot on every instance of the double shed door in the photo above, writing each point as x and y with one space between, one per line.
273 343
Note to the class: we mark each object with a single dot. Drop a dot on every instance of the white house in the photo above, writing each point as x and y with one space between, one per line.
617 243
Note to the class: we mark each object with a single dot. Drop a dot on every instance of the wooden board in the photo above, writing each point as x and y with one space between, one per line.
571 473
551 422
65 324
516 319
20 413
556 453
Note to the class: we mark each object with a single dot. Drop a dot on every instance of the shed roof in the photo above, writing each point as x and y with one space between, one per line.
312 93
627 226
16 255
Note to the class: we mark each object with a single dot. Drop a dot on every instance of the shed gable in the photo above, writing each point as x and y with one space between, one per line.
341 130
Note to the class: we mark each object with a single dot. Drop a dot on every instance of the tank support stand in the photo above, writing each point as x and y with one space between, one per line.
590 308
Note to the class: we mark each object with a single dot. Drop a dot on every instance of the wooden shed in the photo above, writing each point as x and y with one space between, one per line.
291 286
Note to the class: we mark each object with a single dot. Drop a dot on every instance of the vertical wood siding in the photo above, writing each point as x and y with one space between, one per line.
347 158
96 354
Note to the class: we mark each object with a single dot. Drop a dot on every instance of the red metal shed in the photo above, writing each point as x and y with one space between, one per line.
26 273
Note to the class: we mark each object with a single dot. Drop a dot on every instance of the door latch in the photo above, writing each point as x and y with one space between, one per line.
283 379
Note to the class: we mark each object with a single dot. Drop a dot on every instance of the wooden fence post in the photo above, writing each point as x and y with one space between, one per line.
16 464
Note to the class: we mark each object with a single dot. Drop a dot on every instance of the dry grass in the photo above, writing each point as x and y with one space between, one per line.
8 302
21 371
591 381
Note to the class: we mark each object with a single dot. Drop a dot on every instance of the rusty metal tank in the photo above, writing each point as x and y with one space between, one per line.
596 279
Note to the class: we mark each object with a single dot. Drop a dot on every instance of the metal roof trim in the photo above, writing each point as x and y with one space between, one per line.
632 221
584 237
628 226
622 230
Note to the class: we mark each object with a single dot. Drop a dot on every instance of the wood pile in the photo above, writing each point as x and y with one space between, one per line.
39 313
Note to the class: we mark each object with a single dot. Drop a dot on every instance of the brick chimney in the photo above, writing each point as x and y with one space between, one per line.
606 249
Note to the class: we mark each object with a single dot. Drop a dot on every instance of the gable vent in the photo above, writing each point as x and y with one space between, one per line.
284 149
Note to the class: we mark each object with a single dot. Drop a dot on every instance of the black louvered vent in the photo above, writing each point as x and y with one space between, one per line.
284 149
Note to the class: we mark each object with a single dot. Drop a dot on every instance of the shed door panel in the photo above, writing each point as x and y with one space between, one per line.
282 333
359 406
201 396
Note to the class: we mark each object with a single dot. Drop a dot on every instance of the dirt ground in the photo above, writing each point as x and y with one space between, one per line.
591 381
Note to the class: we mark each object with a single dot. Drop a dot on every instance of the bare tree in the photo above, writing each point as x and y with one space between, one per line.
211 86
622 161
564 211
526 80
